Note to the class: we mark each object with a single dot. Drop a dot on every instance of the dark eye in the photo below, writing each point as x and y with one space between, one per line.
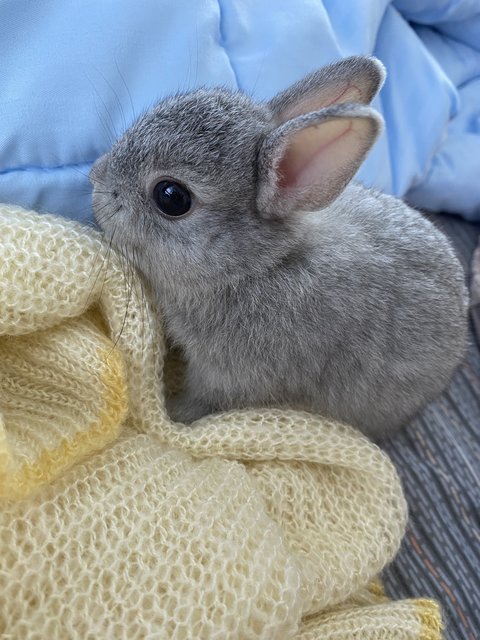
172 198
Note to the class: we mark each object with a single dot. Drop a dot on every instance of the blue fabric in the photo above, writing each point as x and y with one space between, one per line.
75 74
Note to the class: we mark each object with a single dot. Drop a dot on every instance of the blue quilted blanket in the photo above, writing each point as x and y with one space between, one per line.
75 74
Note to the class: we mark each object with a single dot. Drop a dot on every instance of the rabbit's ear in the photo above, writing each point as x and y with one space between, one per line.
355 79
304 164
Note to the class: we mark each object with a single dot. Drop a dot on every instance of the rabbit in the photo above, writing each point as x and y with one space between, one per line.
282 281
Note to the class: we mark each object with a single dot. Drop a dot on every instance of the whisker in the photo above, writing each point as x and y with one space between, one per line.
105 193
91 224
94 284
109 252
119 103
106 218
87 175
98 211
126 87
144 304
110 136
129 284
197 54
259 74
110 133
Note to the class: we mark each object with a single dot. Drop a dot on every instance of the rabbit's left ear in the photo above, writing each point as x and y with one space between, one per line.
355 79
321 138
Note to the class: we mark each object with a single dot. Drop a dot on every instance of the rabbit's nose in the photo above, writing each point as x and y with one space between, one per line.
98 171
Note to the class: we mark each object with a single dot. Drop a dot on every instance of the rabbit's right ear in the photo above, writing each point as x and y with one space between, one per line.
306 163
321 137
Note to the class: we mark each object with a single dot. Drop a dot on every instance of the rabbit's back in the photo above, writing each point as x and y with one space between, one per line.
396 290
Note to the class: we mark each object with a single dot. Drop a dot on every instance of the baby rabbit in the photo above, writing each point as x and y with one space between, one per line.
283 282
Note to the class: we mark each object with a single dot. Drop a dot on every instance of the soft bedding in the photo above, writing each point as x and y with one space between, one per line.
267 524
74 75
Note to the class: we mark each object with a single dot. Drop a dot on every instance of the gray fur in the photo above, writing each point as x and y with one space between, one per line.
356 311
363 73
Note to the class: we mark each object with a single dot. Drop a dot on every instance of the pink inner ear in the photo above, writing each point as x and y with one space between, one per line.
351 93
336 94
315 151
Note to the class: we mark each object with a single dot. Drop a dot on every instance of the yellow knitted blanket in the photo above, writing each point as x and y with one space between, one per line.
116 523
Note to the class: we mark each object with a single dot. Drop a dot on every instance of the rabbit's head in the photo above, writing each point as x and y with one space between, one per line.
209 184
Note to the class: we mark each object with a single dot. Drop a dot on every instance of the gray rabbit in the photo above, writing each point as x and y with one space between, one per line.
282 282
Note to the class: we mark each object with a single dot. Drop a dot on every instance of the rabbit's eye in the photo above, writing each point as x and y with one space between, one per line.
172 198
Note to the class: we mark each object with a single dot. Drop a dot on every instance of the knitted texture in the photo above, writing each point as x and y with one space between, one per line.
251 524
